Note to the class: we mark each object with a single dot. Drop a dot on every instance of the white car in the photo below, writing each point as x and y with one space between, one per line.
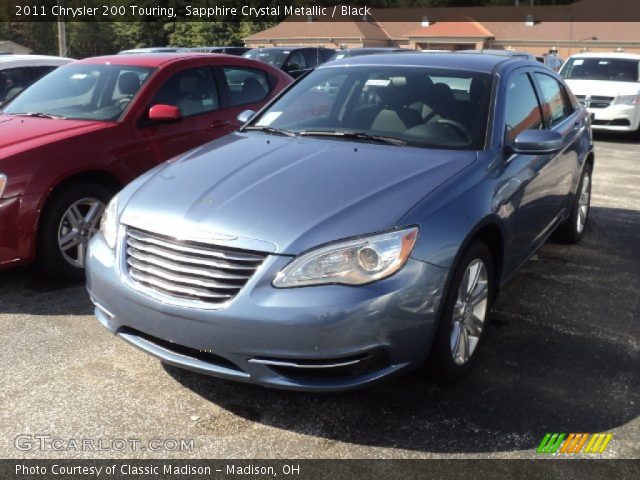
608 84
17 72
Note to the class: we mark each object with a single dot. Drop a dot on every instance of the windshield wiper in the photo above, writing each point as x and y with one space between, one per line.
398 142
271 130
39 115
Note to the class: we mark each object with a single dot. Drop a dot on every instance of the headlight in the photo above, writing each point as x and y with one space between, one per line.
109 223
3 183
351 262
627 100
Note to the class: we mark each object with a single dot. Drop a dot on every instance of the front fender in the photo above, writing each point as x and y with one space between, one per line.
451 215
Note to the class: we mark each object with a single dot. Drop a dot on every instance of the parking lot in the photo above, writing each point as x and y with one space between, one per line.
563 355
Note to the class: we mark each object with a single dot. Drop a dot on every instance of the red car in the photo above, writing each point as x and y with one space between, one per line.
70 141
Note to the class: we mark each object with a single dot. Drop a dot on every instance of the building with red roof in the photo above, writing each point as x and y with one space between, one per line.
537 29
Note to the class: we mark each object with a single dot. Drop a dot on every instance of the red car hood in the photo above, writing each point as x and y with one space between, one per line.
27 132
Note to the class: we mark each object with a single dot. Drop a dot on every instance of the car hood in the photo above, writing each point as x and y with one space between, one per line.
20 133
285 195
605 88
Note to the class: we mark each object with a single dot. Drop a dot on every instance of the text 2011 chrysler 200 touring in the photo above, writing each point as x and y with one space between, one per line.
358 226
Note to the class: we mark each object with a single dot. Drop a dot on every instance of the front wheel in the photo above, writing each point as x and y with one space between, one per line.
69 220
465 313
572 230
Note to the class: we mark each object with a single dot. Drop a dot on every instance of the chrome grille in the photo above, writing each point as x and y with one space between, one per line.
187 269
600 102
595 101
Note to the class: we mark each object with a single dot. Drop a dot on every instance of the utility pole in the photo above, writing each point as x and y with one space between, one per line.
62 33
570 33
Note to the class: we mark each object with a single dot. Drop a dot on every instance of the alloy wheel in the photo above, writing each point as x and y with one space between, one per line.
469 312
583 202
78 224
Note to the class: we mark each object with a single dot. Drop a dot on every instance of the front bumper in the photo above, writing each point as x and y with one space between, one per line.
312 338
9 208
16 238
617 118
18 227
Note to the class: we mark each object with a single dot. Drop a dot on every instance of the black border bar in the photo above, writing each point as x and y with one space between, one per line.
446 469
322 10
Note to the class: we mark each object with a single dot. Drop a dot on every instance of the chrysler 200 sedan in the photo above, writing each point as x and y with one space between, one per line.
358 226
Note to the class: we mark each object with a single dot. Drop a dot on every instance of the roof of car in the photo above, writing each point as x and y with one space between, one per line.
629 56
484 63
153 50
147 59
220 46
501 53
288 49
30 58
381 49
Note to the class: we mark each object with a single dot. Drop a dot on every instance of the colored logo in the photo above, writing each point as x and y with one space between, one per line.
574 443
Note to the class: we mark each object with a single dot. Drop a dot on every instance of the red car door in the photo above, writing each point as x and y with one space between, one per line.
194 91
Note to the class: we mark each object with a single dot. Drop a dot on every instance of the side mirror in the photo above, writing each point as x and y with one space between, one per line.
164 114
245 116
537 142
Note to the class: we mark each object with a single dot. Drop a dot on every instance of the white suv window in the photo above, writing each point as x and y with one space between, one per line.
592 68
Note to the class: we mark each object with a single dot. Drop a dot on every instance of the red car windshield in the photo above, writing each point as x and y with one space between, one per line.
81 92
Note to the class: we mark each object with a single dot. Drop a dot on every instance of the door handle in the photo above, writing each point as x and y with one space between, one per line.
220 123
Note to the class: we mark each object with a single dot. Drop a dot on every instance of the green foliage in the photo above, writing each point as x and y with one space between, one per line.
89 39
138 34
38 36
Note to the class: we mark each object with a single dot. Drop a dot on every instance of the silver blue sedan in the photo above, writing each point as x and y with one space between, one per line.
358 226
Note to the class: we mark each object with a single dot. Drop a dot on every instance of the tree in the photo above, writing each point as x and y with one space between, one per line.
38 36
138 34
89 39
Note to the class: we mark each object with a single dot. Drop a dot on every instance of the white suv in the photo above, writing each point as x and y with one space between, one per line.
17 72
608 84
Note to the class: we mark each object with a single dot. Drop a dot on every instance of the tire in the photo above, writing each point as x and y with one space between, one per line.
572 230
89 200
445 361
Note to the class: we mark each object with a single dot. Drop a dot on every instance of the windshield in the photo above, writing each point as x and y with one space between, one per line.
82 92
272 57
422 107
614 69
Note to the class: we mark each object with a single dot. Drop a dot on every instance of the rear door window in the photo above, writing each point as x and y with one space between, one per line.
522 110
556 101
245 85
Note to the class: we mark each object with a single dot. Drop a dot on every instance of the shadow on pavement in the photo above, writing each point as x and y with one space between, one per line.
27 291
617 137
562 355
